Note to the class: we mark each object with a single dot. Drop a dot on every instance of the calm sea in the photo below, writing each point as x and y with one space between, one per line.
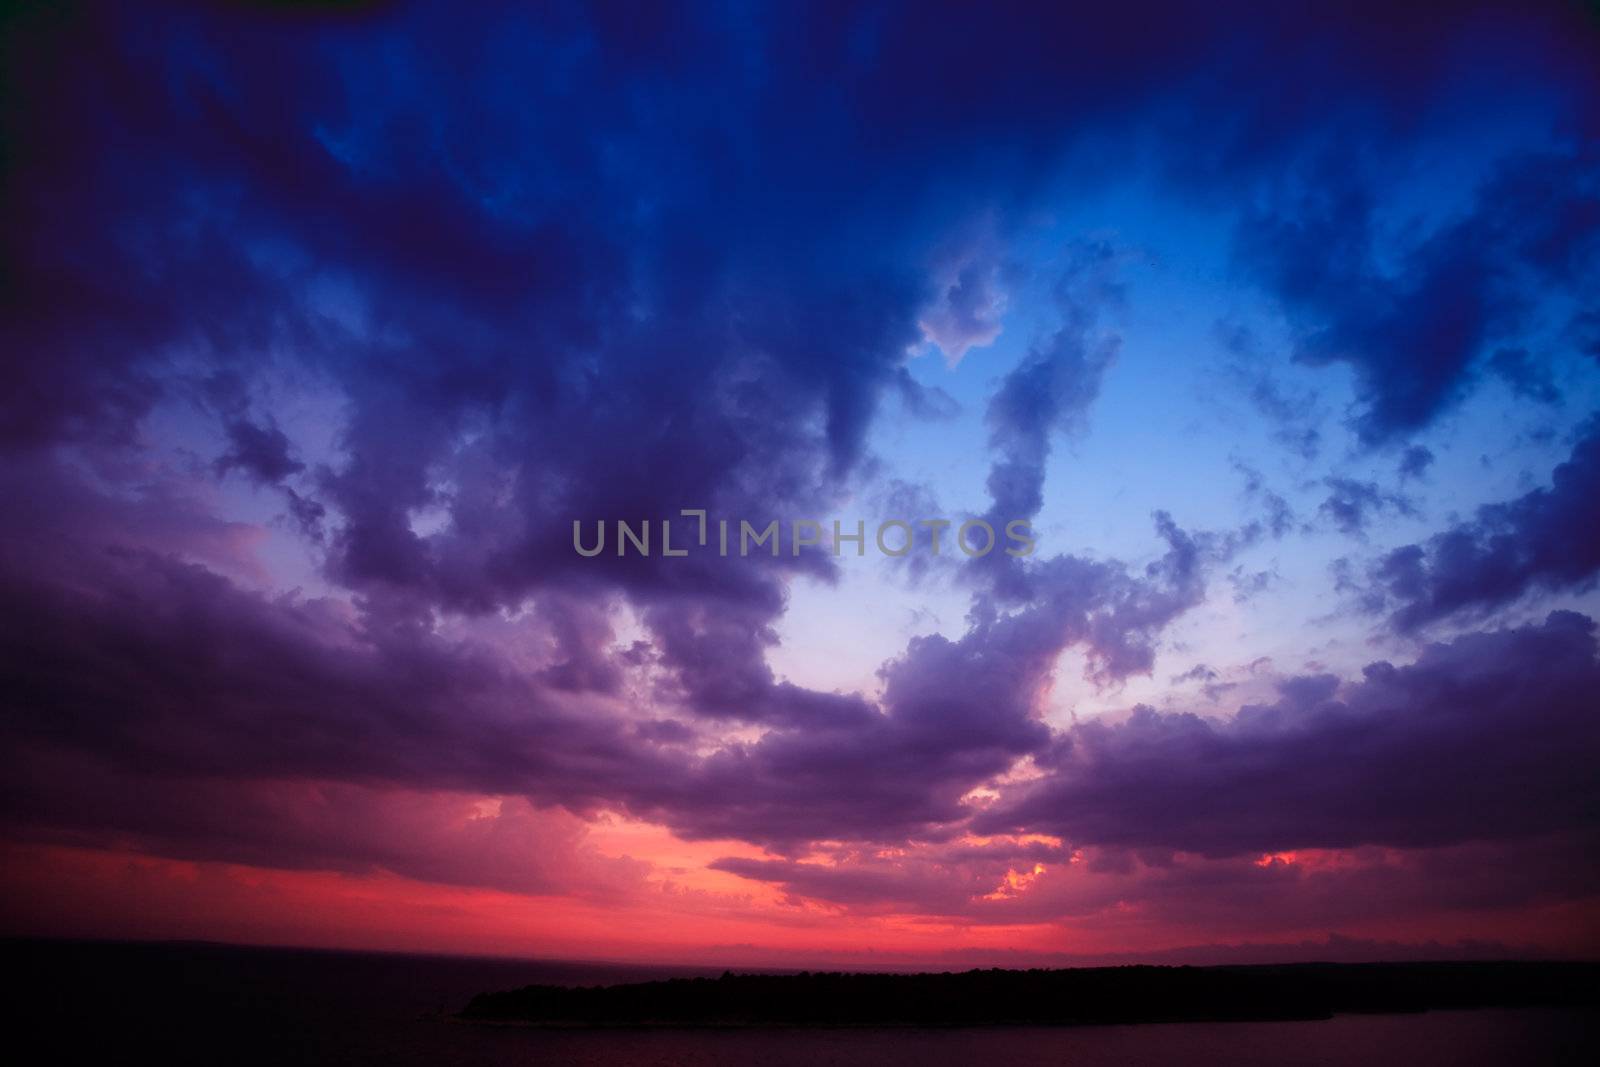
186 1003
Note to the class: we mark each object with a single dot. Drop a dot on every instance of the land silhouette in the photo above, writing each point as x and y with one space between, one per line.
1078 996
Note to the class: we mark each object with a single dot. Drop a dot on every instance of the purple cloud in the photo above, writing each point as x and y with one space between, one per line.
1485 738
1535 542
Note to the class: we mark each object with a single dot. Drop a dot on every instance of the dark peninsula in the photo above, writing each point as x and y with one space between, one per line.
1078 996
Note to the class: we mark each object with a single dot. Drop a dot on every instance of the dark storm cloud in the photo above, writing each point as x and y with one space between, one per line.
1541 541
151 667
1415 333
607 264
167 667
446 277
546 289
1489 737
510 245
144 663
954 714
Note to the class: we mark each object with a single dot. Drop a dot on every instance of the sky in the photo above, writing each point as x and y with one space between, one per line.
324 326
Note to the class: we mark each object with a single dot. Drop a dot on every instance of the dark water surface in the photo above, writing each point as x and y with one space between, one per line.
184 1003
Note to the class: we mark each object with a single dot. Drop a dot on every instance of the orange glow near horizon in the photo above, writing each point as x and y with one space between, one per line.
680 912
1282 859
1015 883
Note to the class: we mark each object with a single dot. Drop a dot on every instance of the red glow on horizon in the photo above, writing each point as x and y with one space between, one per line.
103 893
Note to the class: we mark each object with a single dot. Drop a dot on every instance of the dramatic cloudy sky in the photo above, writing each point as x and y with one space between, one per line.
320 329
